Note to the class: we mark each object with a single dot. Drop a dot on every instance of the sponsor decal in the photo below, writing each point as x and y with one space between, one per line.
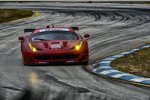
70 61
56 46
42 62
54 29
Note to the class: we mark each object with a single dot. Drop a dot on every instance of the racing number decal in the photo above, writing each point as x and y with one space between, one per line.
55 46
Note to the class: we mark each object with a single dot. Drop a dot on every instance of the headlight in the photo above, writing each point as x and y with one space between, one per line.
32 48
78 46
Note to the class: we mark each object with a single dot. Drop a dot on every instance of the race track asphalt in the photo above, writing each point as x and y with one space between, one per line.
112 28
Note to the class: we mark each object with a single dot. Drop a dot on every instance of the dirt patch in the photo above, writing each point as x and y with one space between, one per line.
137 63
7 15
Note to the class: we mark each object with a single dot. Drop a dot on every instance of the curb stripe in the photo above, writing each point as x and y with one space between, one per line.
139 79
105 64
103 67
117 56
128 77
109 58
124 53
108 72
114 73
119 75
146 81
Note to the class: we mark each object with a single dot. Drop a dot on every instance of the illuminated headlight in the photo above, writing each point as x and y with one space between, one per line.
32 48
78 46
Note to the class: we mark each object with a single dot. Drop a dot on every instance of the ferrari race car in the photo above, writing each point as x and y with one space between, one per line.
52 45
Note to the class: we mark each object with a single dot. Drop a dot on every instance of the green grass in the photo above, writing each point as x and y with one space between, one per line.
137 63
7 15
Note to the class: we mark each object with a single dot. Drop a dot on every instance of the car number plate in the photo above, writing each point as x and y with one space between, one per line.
55 46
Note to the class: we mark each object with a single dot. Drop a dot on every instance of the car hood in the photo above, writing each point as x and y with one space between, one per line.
61 44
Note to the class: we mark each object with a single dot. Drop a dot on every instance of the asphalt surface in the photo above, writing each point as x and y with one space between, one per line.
112 28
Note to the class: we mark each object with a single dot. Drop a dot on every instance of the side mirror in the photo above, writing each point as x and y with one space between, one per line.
86 36
21 38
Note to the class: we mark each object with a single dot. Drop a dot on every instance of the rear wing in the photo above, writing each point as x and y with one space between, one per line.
28 30
31 30
75 28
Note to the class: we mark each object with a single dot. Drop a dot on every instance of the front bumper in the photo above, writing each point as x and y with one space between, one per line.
54 58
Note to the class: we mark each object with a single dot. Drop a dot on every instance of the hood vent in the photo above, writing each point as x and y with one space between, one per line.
45 44
65 44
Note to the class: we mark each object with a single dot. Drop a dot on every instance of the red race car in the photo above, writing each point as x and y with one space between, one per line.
52 45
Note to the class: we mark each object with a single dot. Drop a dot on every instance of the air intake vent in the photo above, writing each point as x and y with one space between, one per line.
45 44
64 44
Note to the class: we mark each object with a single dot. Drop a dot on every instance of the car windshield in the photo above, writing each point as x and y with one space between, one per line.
54 35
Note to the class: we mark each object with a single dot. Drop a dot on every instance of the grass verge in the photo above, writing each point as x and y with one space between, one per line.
137 63
7 15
